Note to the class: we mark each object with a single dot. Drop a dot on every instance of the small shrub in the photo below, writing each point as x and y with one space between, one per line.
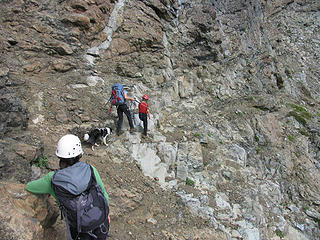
258 149
189 182
256 138
42 161
279 233
197 134
291 138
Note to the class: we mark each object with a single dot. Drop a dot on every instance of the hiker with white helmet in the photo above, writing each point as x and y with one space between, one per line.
144 113
78 188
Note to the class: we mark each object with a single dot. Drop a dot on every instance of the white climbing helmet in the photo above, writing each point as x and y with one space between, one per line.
69 146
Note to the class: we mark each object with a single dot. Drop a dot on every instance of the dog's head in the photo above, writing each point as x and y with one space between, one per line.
86 137
107 131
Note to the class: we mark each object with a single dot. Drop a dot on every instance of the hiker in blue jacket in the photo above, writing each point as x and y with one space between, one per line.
79 176
119 98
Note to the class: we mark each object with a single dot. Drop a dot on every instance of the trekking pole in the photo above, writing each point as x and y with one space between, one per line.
133 113
136 100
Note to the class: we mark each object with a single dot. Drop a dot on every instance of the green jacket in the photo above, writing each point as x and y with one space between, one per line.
43 185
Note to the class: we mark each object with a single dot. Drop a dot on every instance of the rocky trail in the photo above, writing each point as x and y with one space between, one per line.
139 207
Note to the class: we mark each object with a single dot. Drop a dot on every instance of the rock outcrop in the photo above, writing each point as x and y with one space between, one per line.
23 215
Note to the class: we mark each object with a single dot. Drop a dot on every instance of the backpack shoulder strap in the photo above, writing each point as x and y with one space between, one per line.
93 177
93 181
67 224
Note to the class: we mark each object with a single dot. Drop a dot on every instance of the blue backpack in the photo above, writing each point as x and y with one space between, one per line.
117 95
82 202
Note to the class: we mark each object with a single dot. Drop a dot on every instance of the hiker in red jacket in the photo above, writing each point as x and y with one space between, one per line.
144 113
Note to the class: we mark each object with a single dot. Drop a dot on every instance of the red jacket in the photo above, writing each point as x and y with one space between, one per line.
143 107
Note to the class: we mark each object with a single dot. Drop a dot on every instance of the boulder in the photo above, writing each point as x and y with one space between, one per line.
24 215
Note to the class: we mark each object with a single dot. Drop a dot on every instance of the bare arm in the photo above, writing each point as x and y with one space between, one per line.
127 97
148 112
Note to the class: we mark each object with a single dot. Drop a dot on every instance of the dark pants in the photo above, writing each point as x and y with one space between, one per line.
120 110
144 118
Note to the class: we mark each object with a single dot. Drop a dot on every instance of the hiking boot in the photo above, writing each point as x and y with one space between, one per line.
144 136
119 132
132 130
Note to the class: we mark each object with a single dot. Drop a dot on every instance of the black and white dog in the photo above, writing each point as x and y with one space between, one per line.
97 135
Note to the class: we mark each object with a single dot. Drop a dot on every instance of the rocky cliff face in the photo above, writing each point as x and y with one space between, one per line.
233 151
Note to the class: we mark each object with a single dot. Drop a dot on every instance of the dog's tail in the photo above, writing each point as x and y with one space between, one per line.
86 137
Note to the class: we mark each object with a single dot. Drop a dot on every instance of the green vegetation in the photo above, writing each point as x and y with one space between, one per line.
291 138
300 109
189 182
256 138
239 113
197 134
298 117
258 149
304 132
42 161
279 233
300 113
